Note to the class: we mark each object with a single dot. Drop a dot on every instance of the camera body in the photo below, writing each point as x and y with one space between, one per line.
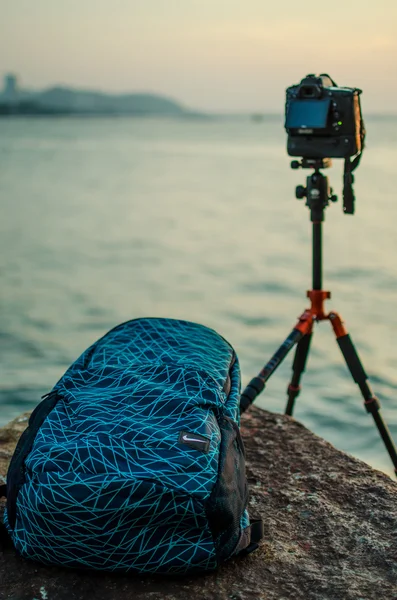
323 120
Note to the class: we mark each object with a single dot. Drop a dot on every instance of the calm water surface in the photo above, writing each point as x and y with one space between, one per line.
104 220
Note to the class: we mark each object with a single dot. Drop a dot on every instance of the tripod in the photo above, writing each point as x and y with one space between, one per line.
318 195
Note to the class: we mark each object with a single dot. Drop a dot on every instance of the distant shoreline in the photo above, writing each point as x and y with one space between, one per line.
11 112
100 115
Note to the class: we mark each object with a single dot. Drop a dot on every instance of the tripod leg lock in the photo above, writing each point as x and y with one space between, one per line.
294 389
293 392
372 405
253 389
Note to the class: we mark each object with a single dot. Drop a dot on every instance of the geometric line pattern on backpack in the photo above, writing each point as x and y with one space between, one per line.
108 483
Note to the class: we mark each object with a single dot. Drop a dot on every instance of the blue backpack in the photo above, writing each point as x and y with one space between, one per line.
134 461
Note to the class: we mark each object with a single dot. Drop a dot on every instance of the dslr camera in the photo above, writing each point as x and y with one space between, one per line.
323 120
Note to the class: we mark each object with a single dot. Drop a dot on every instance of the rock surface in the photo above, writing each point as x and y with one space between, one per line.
330 531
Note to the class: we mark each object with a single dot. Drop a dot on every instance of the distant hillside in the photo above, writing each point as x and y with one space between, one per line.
66 99
63 100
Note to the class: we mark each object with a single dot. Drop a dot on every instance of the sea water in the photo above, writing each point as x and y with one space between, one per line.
105 220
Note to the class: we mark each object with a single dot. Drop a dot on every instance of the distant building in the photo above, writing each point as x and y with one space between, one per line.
10 90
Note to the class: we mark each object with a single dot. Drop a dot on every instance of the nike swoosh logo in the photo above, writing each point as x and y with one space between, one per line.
189 439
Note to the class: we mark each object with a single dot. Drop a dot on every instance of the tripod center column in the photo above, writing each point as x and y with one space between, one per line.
318 193
317 256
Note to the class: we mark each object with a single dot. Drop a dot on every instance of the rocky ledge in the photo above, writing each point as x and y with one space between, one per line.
330 531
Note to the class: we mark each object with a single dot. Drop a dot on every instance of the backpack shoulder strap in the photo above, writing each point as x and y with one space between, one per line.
250 538
5 540
257 533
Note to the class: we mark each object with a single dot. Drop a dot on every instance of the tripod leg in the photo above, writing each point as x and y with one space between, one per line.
298 367
258 383
371 402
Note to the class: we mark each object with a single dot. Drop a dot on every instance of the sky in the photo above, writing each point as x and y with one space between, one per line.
211 55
